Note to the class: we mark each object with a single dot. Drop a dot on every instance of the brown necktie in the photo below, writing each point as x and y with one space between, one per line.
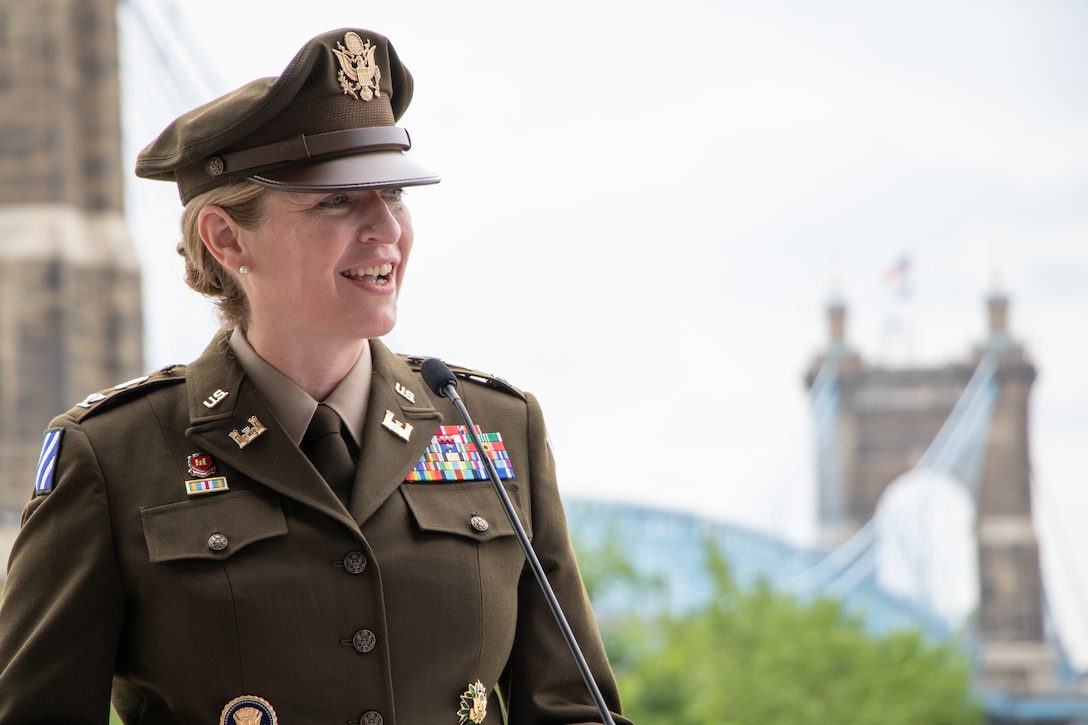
332 454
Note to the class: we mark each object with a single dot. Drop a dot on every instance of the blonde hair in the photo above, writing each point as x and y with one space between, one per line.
244 202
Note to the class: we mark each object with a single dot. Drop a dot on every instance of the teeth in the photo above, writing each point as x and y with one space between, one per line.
379 271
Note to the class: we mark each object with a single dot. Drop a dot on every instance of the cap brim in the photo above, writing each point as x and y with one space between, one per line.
373 170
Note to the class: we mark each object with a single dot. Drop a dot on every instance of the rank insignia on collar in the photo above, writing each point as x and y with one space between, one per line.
452 456
201 465
246 436
390 423
473 704
248 710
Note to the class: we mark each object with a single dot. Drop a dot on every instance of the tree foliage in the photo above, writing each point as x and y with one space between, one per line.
757 657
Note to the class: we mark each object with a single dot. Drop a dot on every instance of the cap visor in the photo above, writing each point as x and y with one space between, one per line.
374 170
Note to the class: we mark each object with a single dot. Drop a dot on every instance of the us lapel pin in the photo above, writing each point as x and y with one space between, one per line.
247 434
215 398
404 430
405 393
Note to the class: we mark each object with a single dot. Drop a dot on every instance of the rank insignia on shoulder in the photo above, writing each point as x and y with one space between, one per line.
47 461
452 456
248 710
473 704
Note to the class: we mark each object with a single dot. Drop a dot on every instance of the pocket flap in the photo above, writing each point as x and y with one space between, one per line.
470 509
214 527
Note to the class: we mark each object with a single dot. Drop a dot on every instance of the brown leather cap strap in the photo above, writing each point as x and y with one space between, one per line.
302 147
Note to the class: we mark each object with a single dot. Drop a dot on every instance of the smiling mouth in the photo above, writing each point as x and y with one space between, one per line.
378 275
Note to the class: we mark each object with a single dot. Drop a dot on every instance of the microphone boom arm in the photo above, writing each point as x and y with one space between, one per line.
446 386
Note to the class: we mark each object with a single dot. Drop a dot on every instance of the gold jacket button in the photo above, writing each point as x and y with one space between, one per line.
480 523
370 717
217 541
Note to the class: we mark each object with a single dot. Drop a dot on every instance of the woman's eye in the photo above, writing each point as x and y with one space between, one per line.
393 194
335 201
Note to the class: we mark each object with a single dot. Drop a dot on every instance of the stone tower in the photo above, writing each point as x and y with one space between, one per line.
70 320
885 420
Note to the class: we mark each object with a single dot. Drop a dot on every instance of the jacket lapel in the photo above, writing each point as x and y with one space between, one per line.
400 422
230 421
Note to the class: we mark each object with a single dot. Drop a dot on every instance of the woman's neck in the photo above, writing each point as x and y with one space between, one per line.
317 365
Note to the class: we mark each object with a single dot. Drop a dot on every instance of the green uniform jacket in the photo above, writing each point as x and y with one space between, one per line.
272 589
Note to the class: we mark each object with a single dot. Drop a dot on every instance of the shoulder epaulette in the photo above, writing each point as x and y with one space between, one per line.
466 373
109 397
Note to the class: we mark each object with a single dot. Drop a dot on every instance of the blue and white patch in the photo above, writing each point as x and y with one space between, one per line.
47 461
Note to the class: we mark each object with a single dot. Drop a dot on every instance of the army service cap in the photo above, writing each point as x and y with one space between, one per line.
327 123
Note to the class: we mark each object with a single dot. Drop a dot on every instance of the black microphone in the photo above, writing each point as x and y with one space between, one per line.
443 382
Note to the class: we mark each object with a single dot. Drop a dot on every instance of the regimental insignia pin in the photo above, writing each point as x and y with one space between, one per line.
248 710
390 423
206 485
215 398
201 465
359 74
473 704
405 393
246 436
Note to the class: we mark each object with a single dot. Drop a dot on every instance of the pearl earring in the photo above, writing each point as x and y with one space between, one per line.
243 269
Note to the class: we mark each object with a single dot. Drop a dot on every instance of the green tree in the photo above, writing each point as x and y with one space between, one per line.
757 657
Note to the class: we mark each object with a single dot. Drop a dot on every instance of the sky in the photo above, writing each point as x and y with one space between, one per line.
646 207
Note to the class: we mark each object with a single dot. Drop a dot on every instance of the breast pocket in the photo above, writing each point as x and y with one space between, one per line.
470 509
215 527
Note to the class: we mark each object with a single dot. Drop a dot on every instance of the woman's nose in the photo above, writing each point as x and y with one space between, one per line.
379 224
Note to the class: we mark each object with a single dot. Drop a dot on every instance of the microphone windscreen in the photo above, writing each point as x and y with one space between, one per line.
437 375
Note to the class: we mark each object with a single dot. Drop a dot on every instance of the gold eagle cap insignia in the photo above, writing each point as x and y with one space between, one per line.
359 74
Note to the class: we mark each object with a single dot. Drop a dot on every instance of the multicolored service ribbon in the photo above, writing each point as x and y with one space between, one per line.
452 456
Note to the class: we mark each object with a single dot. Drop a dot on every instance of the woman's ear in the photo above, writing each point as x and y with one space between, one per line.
220 234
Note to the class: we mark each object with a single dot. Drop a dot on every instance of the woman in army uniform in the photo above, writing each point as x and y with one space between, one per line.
268 535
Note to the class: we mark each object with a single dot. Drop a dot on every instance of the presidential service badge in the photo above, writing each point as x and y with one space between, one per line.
248 710
473 704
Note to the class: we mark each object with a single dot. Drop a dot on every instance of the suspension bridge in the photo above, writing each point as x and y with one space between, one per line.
885 553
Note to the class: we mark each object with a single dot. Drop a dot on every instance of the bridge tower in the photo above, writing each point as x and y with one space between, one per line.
884 420
70 312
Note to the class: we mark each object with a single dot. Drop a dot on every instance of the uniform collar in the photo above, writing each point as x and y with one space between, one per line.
292 406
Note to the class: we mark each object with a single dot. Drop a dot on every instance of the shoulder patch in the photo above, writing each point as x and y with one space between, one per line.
103 398
467 373
47 461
